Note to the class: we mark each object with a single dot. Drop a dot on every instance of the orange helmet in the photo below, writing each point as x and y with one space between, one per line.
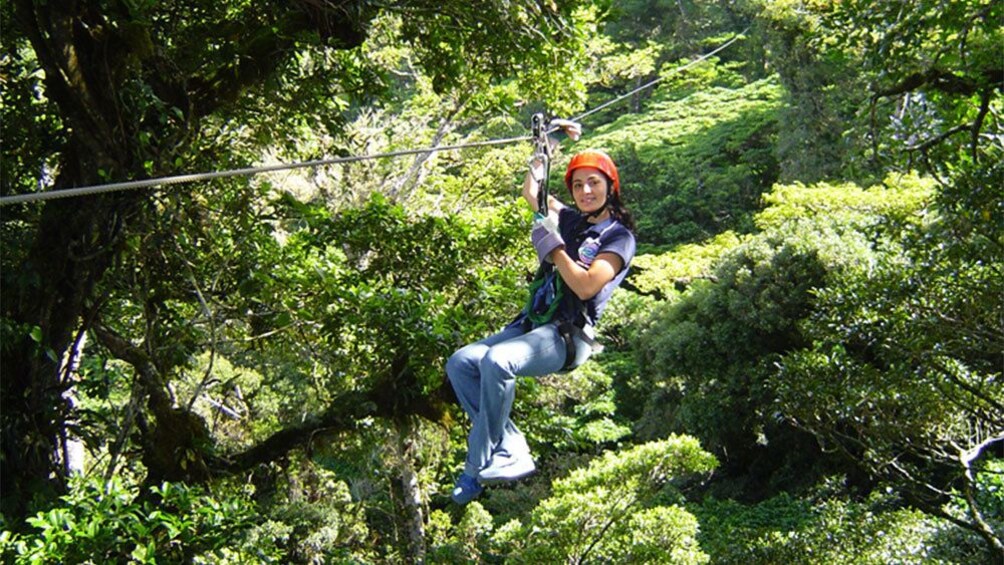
598 160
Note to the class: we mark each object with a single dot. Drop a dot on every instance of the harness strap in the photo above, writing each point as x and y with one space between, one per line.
542 277
567 332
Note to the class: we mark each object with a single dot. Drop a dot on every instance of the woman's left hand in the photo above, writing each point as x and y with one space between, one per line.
571 129
545 241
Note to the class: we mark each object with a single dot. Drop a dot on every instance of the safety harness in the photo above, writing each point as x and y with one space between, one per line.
542 307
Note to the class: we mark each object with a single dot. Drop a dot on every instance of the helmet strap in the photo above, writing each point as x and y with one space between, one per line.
596 213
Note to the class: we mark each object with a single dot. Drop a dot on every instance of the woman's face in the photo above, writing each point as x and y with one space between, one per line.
589 188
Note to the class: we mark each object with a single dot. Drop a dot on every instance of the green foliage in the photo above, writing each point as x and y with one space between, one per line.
888 208
696 166
309 512
387 292
466 542
621 64
618 508
987 494
933 68
710 354
28 164
879 86
822 93
99 521
666 20
890 352
651 37
232 400
502 40
573 411
827 530
667 273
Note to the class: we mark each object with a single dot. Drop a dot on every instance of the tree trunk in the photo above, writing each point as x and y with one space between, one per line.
94 56
414 516
75 243
407 487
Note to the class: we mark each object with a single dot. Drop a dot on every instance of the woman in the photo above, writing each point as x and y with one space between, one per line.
583 260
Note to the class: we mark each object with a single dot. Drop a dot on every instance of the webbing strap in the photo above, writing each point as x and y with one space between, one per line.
567 332
559 293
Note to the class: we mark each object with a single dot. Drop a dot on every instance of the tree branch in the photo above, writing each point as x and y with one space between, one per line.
939 138
147 371
412 177
978 122
343 25
945 81
342 415
967 456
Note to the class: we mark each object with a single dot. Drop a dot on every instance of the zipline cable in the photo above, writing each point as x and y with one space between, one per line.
653 82
250 171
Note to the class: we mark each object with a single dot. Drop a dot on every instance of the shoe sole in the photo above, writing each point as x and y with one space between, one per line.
490 481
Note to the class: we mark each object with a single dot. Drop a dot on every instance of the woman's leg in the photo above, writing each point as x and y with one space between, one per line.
464 372
535 353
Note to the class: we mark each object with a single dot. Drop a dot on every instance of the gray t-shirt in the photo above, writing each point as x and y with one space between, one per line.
583 242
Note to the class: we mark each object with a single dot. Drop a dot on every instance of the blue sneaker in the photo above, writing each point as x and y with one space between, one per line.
466 489
506 467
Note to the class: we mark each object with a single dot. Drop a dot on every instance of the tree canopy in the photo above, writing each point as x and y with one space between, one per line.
808 347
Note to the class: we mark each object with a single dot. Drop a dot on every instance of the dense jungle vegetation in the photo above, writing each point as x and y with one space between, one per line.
805 364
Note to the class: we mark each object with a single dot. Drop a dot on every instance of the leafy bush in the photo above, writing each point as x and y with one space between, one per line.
902 372
828 530
668 273
710 354
100 521
621 507
465 542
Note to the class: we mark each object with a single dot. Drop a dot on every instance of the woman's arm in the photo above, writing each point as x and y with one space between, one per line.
587 283
531 186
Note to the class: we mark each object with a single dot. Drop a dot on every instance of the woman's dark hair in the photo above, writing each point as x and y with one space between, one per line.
617 208
620 212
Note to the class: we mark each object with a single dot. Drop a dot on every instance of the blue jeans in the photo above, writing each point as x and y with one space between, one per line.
483 375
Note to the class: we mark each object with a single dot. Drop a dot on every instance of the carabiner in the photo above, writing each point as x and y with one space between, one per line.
541 151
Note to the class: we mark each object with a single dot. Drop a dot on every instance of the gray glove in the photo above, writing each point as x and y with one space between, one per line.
545 241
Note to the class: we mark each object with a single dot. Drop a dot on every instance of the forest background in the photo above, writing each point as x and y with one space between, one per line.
805 364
